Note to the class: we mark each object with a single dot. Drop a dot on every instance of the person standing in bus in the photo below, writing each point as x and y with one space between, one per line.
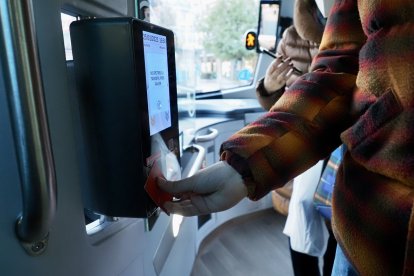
360 92
305 227
295 51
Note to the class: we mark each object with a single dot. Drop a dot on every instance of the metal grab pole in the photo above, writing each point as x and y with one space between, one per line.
24 89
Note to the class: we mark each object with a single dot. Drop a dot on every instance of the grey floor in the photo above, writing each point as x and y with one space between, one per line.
250 245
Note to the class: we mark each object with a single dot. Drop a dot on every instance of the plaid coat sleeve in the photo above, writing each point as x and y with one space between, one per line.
304 126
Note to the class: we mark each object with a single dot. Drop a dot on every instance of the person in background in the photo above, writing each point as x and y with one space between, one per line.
145 10
308 234
295 51
360 92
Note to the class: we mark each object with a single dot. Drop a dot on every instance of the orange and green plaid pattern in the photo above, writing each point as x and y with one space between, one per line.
361 93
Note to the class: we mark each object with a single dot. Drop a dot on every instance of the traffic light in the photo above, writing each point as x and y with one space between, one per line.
250 41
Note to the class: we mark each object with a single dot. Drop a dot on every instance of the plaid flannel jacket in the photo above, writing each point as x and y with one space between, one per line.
360 92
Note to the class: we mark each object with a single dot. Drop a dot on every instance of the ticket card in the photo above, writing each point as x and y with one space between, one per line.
154 191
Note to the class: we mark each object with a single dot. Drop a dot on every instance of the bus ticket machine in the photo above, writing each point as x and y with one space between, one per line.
127 99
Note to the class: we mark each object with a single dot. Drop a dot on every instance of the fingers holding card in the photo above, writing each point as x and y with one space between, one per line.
157 195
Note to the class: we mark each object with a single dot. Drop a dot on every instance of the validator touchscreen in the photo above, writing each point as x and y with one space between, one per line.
156 73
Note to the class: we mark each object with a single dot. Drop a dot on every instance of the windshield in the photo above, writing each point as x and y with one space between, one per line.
209 34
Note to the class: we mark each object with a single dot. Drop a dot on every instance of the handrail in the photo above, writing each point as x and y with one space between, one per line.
208 137
198 163
24 87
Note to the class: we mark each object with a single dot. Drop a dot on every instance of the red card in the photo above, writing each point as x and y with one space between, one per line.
153 190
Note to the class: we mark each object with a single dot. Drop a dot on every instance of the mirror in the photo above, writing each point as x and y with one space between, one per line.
269 15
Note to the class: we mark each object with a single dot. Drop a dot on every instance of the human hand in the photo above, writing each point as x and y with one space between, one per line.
277 74
213 189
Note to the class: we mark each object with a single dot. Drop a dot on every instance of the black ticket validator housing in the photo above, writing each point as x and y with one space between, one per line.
126 85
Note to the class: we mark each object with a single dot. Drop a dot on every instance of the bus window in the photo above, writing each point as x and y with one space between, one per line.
210 51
